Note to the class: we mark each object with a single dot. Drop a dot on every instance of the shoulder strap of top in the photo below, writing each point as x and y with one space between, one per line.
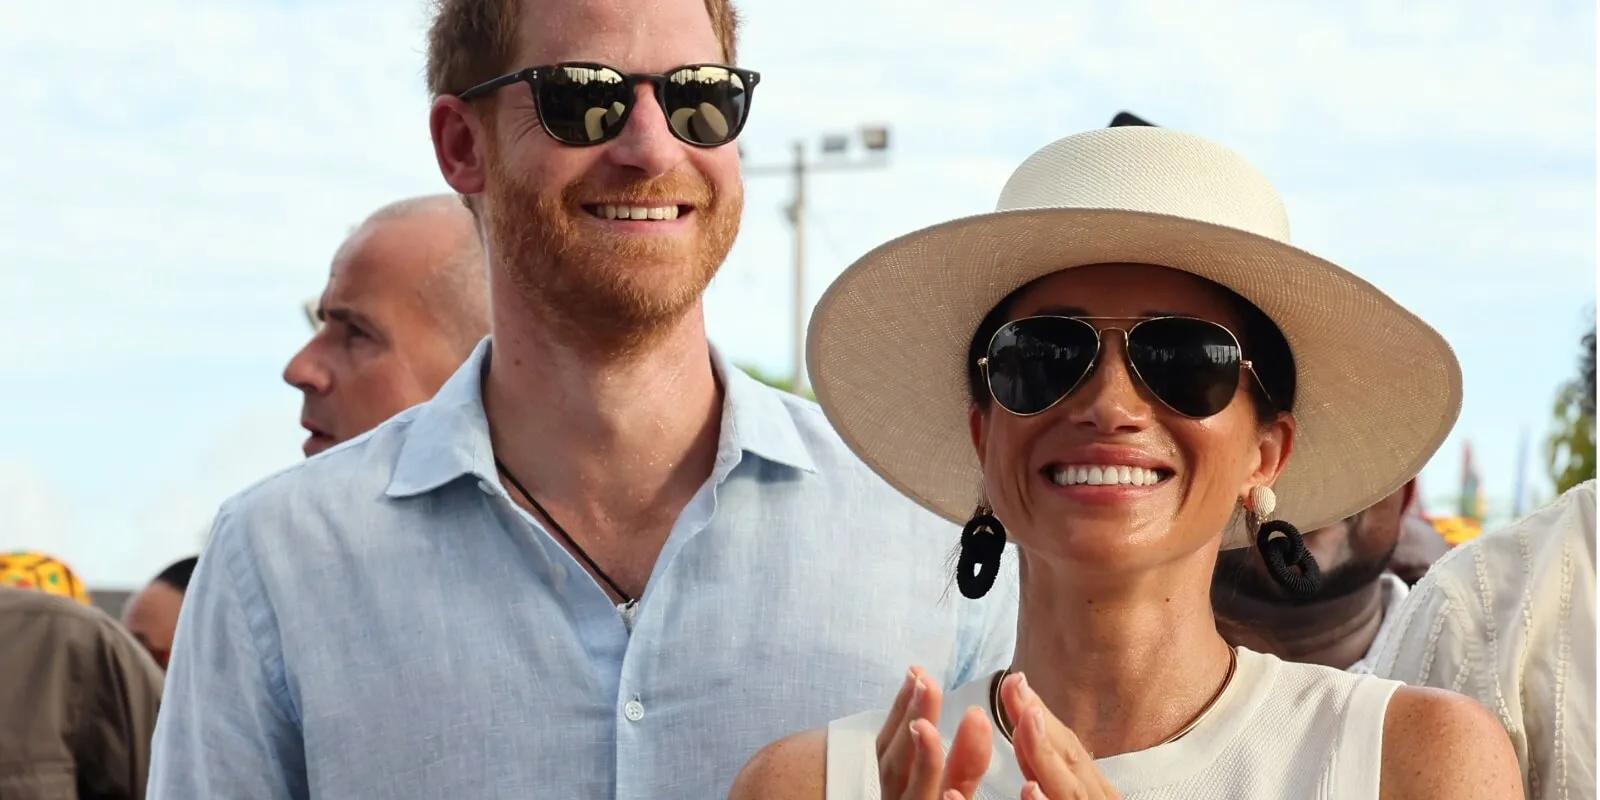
852 764
1357 758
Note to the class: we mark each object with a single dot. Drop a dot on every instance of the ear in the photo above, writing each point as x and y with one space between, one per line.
1273 450
459 142
977 426
1408 496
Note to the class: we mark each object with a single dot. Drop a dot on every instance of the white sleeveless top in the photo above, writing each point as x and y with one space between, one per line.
1281 730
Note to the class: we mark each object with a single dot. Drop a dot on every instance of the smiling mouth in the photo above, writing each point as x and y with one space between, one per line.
657 212
1103 475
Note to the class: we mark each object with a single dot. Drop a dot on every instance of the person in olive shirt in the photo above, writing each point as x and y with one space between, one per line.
78 701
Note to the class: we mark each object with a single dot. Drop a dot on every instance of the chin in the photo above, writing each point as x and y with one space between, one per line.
1095 546
659 291
1107 541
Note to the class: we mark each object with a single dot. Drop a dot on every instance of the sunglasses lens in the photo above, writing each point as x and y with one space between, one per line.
583 104
706 105
1191 365
1037 361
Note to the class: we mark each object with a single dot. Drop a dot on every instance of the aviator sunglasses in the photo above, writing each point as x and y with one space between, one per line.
582 104
1191 365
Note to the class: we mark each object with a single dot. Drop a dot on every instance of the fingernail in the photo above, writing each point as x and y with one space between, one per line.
1037 718
917 693
1033 792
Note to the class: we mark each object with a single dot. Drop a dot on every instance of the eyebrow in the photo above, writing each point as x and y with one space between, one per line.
345 315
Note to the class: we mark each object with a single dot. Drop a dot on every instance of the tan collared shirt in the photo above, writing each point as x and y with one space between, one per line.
78 700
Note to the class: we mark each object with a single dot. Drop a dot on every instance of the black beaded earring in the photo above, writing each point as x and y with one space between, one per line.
1282 547
983 542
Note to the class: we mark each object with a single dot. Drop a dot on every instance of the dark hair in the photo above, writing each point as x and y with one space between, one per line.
1260 337
177 575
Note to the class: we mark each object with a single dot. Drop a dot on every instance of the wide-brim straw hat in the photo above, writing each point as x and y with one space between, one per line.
1378 390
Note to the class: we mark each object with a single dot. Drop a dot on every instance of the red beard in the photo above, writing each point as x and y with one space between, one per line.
610 293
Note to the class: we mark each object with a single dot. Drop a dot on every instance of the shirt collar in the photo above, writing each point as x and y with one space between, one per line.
759 419
449 436
1394 594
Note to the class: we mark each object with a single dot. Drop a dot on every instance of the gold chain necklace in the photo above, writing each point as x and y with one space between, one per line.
1005 725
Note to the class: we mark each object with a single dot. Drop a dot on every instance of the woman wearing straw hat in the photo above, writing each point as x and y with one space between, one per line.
1111 373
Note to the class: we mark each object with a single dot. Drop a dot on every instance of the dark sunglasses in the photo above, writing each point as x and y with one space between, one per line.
1190 365
582 104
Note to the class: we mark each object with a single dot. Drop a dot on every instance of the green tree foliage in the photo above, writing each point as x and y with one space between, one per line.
777 383
1570 449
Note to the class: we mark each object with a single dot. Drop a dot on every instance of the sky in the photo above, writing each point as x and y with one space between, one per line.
177 176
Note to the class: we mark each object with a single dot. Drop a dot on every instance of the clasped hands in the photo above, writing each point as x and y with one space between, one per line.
913 764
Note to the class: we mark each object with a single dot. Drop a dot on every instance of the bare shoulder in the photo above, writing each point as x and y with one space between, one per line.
792 768
1439 744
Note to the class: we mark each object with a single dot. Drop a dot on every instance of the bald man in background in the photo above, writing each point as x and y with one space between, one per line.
407 300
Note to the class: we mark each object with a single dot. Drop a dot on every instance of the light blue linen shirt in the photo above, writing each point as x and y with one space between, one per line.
381 621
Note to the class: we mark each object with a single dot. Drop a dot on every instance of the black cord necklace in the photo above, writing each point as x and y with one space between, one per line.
627 599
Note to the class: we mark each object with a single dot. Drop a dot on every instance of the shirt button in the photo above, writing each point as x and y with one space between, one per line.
633 710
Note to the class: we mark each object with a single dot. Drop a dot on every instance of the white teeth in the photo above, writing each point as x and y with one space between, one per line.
1103 475
639 212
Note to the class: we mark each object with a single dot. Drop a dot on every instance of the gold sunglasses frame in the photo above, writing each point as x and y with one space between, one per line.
1245 364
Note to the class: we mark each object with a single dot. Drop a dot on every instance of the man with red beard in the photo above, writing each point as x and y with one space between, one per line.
601 562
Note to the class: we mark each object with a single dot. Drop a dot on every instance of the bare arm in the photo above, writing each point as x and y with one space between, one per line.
1439 745
792 768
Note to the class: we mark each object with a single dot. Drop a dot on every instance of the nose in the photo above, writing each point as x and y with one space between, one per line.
1109 401
646 143
306 371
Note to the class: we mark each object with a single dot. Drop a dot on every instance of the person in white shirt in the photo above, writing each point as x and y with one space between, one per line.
1124 369
1338 626
1509 619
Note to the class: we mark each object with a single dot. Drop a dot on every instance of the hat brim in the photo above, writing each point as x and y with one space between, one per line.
1378 390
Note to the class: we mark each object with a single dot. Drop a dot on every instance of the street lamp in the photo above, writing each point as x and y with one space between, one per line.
835 151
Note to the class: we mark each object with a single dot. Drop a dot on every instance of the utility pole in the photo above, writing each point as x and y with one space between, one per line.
797 220
875 141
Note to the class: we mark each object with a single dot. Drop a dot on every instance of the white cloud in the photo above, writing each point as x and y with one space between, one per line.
35 514
175 521
186 170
